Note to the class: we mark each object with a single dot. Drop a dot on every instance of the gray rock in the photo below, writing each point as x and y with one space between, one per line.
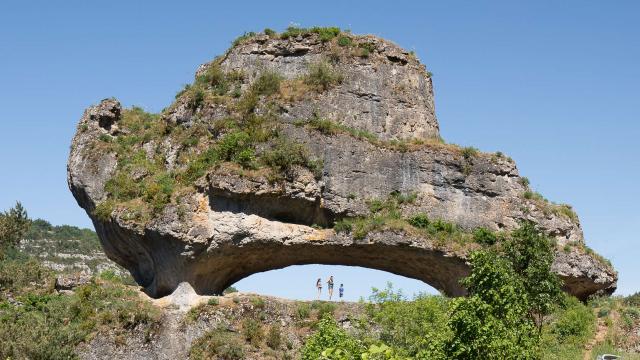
71 281
232 226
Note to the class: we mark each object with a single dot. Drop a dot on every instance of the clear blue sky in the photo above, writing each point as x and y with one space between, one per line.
553 84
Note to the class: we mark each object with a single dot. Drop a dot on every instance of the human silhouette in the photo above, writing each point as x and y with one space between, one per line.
330 286
319 287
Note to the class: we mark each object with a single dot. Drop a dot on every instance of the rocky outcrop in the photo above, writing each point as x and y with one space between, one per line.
232 222
388 93
178 332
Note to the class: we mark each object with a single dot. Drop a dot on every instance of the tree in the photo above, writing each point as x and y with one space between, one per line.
14 224
531 255
492 322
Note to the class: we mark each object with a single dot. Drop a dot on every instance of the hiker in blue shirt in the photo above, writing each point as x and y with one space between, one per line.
341 291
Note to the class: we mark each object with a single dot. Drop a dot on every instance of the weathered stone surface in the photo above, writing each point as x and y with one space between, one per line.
388 93
233 225
71 281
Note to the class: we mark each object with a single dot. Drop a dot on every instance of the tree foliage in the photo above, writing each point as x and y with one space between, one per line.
411 328
492 322
14 224
511 289
330 342
531 253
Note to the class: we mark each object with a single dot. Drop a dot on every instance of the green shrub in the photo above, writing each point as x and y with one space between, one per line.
267 83
293 31
330 336
303 310
213 301
566 210
270 32
532 195
284 155
252 331
50 326
21 275
322 76
577 321
220 344
190 142
326 33
326 127
248 103
232 144
323 308
274 337
344 41
410 327
342 225
246 158
104 210
603 312
442 226
258 302
420 221
404 198
199 165
213 78
365 49
197 98
242 38
632 312
123 187
633 300
484 236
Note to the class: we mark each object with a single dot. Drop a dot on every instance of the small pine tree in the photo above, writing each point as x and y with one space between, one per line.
14 224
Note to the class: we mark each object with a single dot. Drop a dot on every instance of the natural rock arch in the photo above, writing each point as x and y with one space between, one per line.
370 135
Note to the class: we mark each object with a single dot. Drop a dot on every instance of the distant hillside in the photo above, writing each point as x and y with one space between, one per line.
67 249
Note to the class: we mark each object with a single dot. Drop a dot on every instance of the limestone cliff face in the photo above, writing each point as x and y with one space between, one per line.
367 132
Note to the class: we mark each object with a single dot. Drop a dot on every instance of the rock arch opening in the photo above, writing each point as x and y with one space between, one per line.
298 282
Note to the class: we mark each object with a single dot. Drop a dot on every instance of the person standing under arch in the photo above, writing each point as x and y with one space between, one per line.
319 287
330 286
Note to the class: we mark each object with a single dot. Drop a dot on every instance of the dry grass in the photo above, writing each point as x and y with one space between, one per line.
292 90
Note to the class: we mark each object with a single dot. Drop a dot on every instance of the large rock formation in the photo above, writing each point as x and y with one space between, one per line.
277 140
